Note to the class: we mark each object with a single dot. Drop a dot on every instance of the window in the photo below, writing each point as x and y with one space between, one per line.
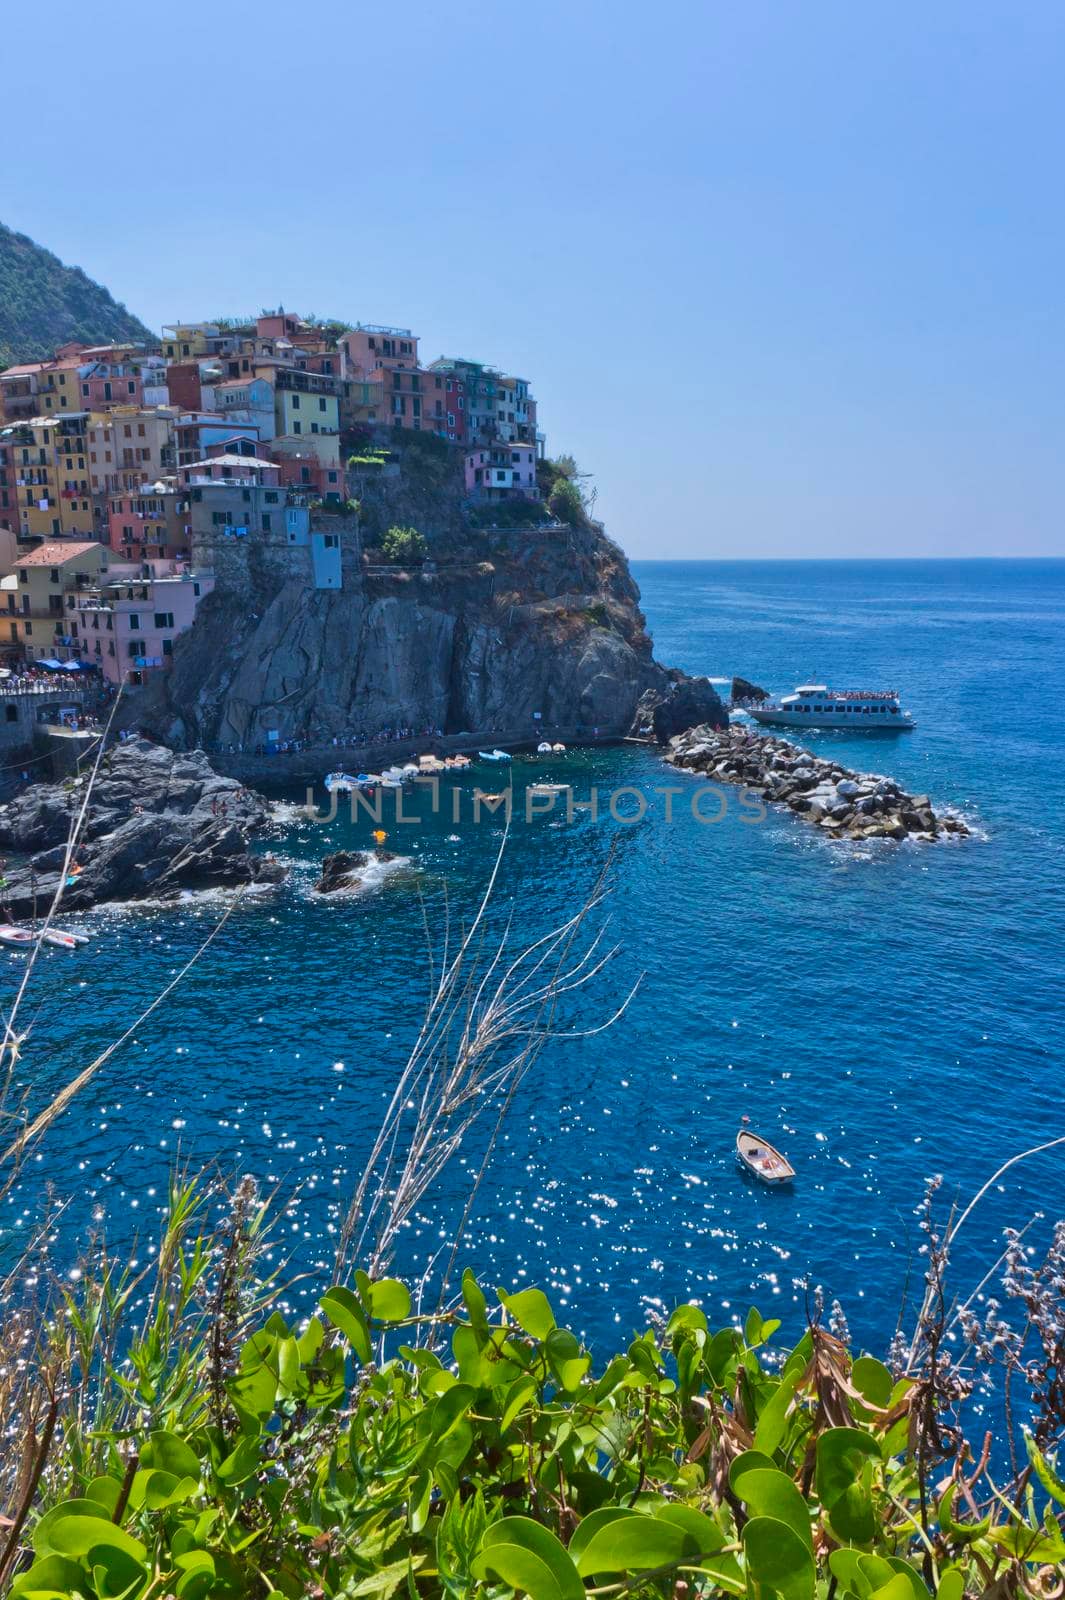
53 576
297 427
11 712
266 522
134 621
164 619
295 402
332 540
140 430
321 405
270 497
135 647
168 647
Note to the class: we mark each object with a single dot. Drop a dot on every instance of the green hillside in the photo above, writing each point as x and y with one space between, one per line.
44 304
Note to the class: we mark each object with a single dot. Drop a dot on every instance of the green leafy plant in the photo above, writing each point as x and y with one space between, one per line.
373 1450
404 547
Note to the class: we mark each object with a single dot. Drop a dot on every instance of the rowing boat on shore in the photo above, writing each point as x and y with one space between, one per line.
761 1159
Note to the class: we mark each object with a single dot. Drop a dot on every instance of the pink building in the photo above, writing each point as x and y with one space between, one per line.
370 348
502 472
128 627
150 524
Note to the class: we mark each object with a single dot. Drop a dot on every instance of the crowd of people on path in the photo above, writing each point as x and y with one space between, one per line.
354 740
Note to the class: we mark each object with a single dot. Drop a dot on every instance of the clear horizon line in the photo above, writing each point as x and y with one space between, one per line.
744 561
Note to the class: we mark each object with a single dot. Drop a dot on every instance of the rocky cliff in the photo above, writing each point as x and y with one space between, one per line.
498 625
157 824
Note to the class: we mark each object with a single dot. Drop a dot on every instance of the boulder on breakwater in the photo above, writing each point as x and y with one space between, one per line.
157 823
843 803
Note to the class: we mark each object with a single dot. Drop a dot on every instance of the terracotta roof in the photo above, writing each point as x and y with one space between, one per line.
56 555
26 368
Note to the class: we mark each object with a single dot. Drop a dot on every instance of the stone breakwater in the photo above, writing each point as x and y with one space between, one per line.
843 803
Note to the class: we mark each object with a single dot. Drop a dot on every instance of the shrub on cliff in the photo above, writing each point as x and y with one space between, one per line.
564 502
404 547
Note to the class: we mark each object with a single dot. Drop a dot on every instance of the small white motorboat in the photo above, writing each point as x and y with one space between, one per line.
63 939
550 788
758 1157
17 936
458 762
544 748
558 749
341 783
494 755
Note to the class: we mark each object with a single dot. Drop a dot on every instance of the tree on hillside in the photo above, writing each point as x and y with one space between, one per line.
404 547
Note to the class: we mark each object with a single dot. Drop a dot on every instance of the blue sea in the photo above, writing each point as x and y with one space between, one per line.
885 1012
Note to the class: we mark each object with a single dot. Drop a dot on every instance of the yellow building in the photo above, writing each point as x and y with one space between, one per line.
305 403
51 471
50 580
184 341
59 386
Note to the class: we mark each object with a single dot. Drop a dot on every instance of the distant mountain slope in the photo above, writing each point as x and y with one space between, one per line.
44 304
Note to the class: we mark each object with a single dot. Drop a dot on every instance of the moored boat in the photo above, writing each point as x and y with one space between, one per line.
762 1159
341 782
814 705
16 936
494 755
543 748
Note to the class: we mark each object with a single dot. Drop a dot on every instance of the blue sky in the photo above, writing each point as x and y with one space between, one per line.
787 278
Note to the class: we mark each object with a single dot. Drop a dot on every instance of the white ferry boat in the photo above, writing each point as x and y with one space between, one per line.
814 705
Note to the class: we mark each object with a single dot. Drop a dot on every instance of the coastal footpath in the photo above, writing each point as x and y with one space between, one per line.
843 803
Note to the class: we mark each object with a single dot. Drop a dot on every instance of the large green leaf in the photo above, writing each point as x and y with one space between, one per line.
344 1311
1046 1471
389 1300
843 1480
80 1535
531 1310
49 1575
513 1564
872 1380
449 1409
171 1454
772 1494
778 1561
42 1533
564 1356
590 1525
513 1534
474 1300
772 1422
518 1395
635 1543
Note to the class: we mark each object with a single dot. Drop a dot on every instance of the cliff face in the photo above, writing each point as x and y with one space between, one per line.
499 625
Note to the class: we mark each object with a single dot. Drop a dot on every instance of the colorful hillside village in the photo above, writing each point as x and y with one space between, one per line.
122 467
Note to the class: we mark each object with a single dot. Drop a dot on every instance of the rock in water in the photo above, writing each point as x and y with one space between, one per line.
157 823
341 869
681 704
